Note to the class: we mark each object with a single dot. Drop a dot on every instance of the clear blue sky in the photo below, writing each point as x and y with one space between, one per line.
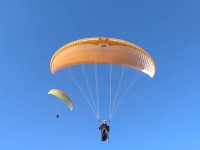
163 115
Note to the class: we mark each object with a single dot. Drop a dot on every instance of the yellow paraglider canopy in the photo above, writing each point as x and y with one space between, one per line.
62 96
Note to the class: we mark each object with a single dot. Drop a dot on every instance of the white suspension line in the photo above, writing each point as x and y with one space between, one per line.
121 89
130 98
89 88
97 95
110 71
82 91
73 92
119 83
124 94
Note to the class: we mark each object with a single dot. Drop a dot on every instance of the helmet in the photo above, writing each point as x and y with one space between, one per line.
104 120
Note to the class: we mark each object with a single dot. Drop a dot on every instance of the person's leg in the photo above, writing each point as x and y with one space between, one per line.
101 135
107 135
104 134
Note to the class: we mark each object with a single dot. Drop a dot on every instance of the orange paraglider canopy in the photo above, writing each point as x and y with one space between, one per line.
103 51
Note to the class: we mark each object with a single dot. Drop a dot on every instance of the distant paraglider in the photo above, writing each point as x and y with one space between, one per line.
62 96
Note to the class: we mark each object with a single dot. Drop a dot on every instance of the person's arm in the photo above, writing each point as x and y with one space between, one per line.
108 128
99 127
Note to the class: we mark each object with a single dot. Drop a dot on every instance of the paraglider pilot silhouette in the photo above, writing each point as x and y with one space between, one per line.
104 131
